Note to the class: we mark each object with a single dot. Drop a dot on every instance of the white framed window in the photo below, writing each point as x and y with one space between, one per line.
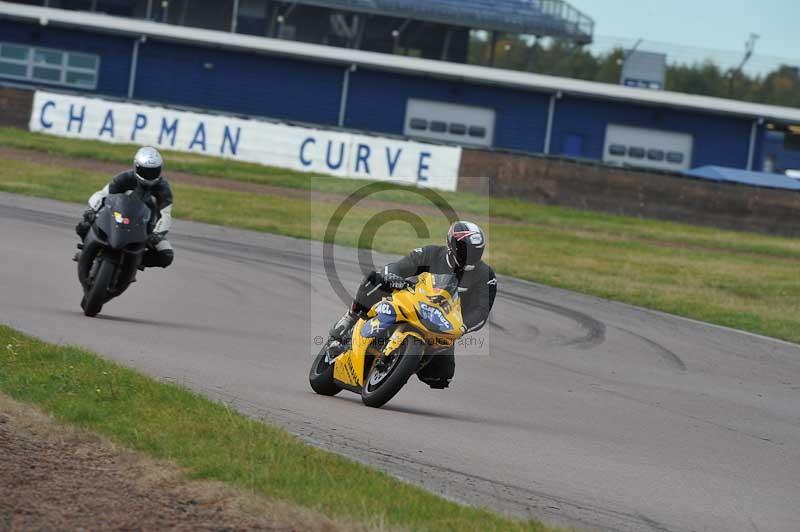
47 65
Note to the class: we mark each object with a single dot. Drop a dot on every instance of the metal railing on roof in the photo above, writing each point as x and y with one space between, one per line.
535 17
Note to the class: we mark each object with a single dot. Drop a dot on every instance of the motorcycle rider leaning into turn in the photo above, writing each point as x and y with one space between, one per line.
477 286
146 173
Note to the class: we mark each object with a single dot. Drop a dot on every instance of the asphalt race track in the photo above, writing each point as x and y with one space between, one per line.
587 412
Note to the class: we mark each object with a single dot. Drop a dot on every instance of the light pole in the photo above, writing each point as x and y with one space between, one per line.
749 47
628 53
396 33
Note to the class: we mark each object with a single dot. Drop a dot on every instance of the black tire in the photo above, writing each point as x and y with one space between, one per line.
98 293
321 376
405 365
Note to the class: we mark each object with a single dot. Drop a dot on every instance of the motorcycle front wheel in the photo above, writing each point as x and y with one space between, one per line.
390 374
98 293
321 375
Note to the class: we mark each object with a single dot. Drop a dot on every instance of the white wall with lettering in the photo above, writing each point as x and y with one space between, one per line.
297 148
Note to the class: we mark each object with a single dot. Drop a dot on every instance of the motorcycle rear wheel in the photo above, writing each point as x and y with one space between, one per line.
379 388
321 375
98 293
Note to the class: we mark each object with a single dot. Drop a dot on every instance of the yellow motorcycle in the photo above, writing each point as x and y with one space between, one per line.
399 337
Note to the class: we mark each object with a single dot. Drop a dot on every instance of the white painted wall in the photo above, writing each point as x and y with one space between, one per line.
280 145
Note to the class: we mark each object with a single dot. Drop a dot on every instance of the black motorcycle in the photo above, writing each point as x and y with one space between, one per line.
113 248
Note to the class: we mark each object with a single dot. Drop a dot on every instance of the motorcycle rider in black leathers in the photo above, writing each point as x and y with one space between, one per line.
477 288
146 172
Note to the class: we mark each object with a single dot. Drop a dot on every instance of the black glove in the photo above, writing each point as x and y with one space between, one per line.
392 281
84 225
154 239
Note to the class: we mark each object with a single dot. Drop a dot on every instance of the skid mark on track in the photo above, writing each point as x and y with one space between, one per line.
655 525
497 326
595 330
668 356
529 334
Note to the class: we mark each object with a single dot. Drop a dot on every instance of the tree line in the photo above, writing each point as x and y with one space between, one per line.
561 58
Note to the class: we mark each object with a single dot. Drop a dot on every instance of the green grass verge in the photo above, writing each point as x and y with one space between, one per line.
506 209
743 280
213 442
545 217
195 164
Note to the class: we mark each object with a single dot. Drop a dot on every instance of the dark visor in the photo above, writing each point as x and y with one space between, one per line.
148 174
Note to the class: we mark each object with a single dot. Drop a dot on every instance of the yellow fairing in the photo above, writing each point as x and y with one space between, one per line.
406 303
407 306
398 337
349 367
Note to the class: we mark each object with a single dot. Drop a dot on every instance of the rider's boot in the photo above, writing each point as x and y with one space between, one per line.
344 324
347 321
338 342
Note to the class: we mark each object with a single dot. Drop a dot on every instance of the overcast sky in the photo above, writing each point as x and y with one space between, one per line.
713 24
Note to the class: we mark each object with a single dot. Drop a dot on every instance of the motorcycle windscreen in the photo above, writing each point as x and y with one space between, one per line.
434 317
124 220
447 282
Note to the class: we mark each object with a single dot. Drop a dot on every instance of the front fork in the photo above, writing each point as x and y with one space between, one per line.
95 268
401 334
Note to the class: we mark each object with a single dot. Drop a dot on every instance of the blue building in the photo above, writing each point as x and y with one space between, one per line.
388 94
434 29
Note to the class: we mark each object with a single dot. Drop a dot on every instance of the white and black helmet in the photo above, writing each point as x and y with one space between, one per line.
147 165
465 245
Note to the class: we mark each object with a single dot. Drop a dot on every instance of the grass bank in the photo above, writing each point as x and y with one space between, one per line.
743 280
213 442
